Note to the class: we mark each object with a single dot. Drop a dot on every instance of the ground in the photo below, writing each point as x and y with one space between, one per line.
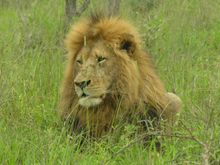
183 38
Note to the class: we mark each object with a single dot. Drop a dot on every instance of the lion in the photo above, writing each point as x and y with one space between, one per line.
106 69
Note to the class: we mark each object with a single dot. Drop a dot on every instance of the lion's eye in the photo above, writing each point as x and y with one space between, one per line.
100 59
79 62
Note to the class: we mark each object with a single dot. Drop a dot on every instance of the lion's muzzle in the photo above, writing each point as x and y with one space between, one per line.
87 98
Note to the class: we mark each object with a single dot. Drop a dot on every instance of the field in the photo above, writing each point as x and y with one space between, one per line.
183 38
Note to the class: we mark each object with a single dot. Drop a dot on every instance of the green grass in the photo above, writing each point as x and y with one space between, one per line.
183 37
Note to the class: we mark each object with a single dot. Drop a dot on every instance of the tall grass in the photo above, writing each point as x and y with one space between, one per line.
183 37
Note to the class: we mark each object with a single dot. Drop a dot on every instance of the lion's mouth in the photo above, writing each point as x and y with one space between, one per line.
87 100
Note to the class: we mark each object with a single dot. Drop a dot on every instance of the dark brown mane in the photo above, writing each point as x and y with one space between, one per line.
97 15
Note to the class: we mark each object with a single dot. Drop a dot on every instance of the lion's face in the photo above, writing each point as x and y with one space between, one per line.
95 73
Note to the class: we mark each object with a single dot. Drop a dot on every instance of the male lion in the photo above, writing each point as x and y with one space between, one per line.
108 76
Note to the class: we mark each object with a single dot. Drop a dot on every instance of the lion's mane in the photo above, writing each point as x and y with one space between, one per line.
137 85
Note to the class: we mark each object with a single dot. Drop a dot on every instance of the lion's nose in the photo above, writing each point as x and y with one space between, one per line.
83 84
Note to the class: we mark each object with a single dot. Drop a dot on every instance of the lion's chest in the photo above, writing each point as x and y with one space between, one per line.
96 121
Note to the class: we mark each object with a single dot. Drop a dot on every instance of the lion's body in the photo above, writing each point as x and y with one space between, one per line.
108 69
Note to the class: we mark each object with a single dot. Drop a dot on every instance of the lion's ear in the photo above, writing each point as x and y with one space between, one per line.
128 43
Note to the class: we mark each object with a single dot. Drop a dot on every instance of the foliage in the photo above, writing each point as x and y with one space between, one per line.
183 38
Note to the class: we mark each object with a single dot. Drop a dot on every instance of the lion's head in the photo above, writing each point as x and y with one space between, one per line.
103 61
106 63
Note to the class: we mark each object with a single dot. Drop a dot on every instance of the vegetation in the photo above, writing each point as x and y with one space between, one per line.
183 38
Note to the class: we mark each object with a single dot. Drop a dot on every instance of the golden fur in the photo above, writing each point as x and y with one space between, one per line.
108 69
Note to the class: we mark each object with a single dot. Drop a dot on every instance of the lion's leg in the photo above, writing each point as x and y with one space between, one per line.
172 111
174 106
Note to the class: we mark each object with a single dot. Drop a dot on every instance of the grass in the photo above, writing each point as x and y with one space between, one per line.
183 37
